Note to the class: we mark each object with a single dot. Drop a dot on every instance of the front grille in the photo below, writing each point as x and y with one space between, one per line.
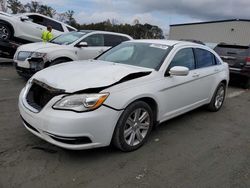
22 56
40 94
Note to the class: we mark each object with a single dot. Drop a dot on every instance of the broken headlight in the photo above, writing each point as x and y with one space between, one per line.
81 102
39 55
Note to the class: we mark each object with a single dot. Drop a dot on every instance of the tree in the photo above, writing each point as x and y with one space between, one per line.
15 6
33 6
70 18
47 10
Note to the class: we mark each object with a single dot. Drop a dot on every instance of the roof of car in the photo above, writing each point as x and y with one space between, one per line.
164 42
107 32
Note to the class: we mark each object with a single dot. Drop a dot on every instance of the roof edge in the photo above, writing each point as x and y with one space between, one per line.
218 21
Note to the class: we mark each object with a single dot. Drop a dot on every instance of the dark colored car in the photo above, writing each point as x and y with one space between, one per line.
238 59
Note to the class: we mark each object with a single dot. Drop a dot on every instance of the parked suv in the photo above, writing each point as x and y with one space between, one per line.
238 58
29 26
77 45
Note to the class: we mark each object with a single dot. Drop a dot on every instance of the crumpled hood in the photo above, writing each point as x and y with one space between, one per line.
39 47
82 75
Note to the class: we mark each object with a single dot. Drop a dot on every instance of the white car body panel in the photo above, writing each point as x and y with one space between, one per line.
55 51
27 30
174 95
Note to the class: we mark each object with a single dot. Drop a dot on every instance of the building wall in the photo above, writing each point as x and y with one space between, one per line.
233 32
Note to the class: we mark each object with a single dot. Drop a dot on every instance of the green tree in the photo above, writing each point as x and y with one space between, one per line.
47 10
70 18
15 6
33 6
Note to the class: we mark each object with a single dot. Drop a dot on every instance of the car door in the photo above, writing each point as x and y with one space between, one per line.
180 93
95 47
206 72
32 28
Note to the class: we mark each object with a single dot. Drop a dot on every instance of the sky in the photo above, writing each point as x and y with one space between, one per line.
157 12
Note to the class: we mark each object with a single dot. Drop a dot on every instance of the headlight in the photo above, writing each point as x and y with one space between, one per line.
81 102
38 55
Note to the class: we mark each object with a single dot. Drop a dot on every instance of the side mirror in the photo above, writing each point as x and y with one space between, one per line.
179 71
82 44
24 18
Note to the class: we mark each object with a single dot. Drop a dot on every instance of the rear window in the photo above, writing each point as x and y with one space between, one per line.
232 50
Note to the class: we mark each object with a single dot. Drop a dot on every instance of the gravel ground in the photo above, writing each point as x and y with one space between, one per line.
198 149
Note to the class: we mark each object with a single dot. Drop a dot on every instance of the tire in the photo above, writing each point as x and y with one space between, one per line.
136 130
218 98
58 61
5 32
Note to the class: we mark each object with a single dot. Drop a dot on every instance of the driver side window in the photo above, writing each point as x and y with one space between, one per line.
94 40
185 58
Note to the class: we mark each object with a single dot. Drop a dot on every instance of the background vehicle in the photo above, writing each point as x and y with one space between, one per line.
29 26
119 96
238 59
72 46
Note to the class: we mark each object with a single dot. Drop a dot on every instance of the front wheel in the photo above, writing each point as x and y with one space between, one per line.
133 127
218 98
5 32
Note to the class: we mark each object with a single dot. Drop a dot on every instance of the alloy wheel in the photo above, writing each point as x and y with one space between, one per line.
220 95
4 32
137 126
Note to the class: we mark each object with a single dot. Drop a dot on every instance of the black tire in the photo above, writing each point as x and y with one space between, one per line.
58 61
5 32
141 128
218 98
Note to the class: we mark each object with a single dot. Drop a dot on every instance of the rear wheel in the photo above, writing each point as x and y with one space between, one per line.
218 98
5 32
133 127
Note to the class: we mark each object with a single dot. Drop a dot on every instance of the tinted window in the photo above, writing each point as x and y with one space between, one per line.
113 40
37 19
94 40
204 58
45 22
185 58
55 25
232 50
137 54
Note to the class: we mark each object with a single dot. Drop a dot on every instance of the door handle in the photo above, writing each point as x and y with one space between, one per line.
39 28
216 70
196 75
101 51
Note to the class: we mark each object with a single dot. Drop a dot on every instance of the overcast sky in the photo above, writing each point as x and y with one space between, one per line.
158 12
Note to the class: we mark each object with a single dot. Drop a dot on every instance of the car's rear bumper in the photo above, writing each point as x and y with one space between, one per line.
240 72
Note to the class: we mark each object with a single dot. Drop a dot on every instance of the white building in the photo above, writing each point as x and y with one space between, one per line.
235 31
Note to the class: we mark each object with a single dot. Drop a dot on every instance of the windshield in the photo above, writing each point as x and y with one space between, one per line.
140 54
68 38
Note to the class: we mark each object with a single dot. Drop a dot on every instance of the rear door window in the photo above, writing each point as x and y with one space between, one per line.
55 25
113 40
204 58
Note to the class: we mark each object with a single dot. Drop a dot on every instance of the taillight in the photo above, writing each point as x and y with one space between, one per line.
248 61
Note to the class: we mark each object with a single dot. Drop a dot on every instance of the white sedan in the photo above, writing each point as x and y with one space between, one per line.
118 97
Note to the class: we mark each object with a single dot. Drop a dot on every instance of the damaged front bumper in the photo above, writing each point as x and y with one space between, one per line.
34 65
68 129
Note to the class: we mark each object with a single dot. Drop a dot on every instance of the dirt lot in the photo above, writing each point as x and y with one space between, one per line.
198 149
